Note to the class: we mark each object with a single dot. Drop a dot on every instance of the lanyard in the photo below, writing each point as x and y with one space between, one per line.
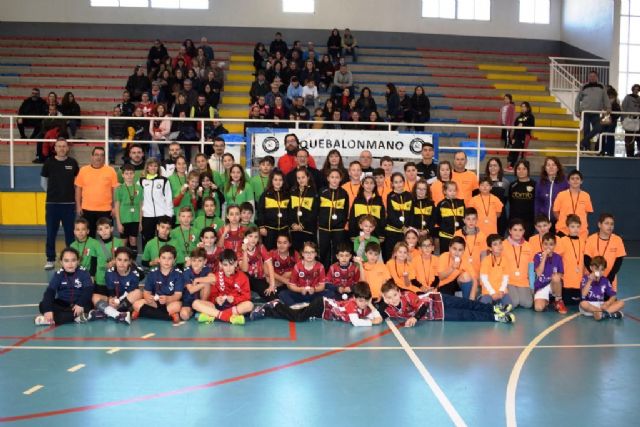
494 260
131 196
576 253
427 272
453 212
605 246
517 257
353 196
471 248
401 205
186 240
82 250
279 213
404 269
574 206
485 208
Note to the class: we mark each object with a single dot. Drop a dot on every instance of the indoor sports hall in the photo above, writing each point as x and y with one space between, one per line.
196 79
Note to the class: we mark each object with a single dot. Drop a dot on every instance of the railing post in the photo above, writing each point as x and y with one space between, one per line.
201 137
12 172
106 139
479 141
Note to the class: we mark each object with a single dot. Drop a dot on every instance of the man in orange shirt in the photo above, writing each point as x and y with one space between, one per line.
519 254
95 184
571 249
606 244
455 272
467 180
573 201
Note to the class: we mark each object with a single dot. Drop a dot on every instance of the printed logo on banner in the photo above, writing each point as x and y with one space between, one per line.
270 144
416 145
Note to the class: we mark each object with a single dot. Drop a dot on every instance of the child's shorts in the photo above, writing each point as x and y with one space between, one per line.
543 293
593 303
131 229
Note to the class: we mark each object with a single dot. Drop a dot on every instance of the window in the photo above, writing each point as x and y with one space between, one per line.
535 11
298 6
629 65
159 4
479 10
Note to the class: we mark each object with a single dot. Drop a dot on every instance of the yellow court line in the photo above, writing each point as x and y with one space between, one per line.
113 350
33 389
76 367
147 336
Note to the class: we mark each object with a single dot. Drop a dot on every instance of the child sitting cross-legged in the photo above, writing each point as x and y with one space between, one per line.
594 288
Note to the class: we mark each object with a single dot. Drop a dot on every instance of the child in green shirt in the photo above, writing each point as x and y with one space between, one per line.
87 247
107 245
246 215
366 223
237 190
128 203
260 182
208 217
185 236
151 254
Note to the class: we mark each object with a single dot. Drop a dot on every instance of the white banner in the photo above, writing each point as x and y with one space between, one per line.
350 143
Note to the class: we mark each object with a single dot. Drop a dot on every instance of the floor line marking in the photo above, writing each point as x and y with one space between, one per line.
431 382
113 350
514 377
147 336
158 339
190 389
76 367
27 339
630 316
33 389
18 305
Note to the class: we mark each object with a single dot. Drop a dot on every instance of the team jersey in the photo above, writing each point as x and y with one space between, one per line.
475 246
344 277
535 242
160 284
185 241
304 278
598 290
571 249
399 271
152 248
494 274
203 221
566 204
333 210
233 195
105 255
213 258
304 209
256 262
352 192
258 184
399 211
610 249
519 255
236 286
489 209
232 239
437 192
273 210
375 275
411 303
552 265
445 261
88 251
72 288
118 285
426 269
130 199
449 216
363 206
347 311
283 265
188 277
467 182
422 218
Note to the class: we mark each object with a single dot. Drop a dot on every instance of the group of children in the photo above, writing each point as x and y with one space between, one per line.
365 260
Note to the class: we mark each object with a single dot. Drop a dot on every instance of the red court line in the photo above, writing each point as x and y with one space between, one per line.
193 388
24 340
630 316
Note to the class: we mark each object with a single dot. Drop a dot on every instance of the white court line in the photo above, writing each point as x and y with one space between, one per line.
18 305
442 398
512 385
76 367
33 389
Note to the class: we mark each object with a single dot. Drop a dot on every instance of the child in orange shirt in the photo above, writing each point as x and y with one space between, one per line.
489 208
373 271
401 270
410 175
573 201
608 245
520 255
411 239
455 271
475 240
426 264
382 185
543 226
494 275
571 249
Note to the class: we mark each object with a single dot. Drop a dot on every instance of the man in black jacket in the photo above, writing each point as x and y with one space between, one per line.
156 56
32 106
278 45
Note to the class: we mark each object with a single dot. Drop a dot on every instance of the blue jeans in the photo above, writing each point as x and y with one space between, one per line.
486 299
54 214
592 127
289 297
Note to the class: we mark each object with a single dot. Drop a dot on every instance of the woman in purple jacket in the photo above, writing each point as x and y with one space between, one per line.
552 181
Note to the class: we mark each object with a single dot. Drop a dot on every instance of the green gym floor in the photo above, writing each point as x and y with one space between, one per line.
545 370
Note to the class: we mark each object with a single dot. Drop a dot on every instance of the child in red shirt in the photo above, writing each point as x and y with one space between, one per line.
307 278
342 275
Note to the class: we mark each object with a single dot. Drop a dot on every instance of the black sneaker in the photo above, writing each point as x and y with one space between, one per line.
96 315
616 315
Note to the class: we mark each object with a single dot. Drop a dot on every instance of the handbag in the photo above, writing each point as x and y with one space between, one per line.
631 124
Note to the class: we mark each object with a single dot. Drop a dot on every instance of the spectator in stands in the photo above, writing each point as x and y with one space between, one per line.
279 112
394 110
156 97
202 110
344 101
293 91
186 131
138 130
160 128
215 86
420 107
334 45
126 106
137 84
289 72
190 93
95 184
342 80
270 98
303 162
310 53
259 87
212 97
326 69
52 128
216 130
552 181
296 58
184 56
375 118
318 119
146 105
181 106
405 105
254 114
592 97
195 80
57 176
310 94
309 72
288 161
631 104
349 44
190 48
32 106
366 104
608 141
521 137
263 107
52 99
117 132
157 54
208 50
69 107
328 109
278 45
336 116
296 47
300 111
178 78
506 118
260 57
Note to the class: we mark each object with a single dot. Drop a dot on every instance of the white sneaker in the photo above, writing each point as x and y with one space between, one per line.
82 318
49 265
42 321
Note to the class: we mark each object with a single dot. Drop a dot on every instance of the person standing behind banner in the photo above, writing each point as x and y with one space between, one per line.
287 162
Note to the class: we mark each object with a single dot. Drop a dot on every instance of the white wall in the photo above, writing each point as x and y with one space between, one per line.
589 25
372 15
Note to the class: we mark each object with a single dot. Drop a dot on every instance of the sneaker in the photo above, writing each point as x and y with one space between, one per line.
82 318
124 317
263 310
49 265
205 318
560 307
42 321
505 318
502 309
617 315
96 315
237 319
175 318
